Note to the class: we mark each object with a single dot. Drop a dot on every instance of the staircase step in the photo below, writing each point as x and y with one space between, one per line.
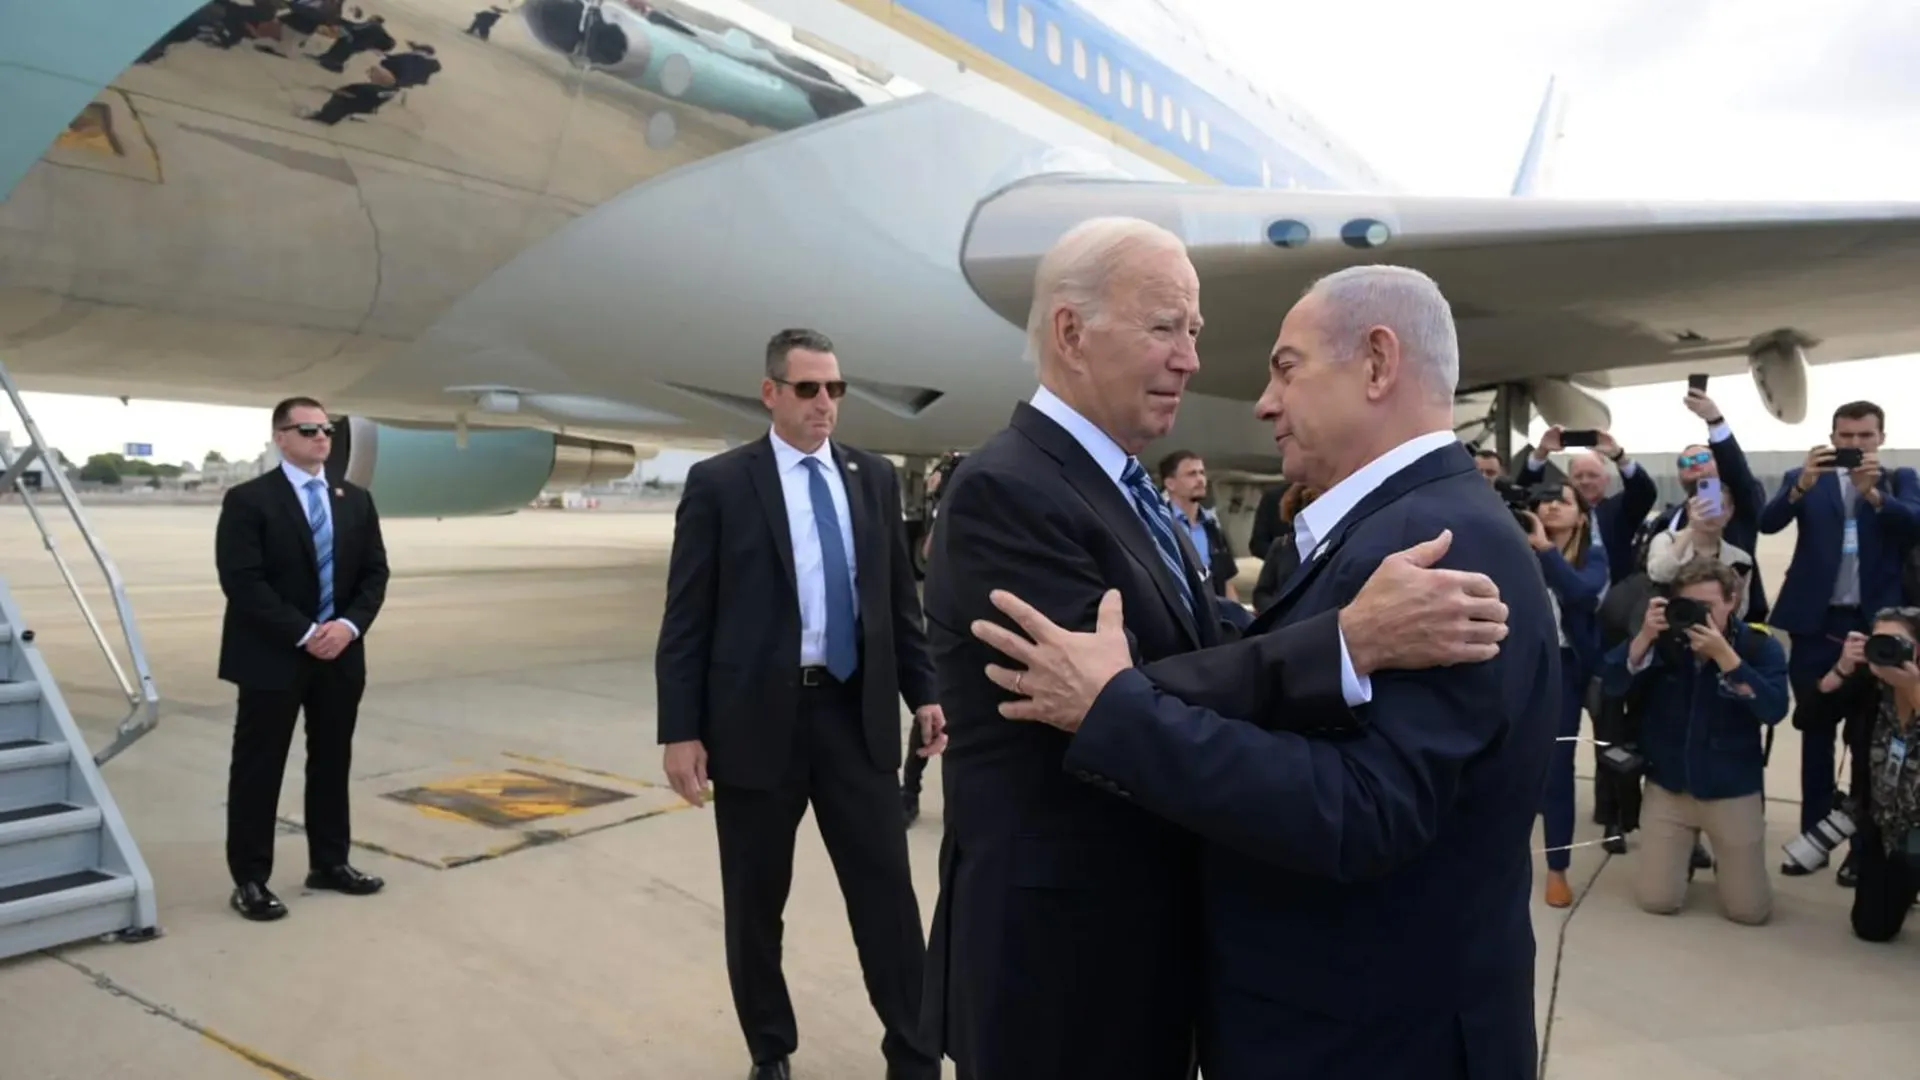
65 908
34 775
19 709
39 843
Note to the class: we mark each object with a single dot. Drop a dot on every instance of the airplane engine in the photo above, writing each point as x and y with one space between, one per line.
422 470
1561 402
1779 368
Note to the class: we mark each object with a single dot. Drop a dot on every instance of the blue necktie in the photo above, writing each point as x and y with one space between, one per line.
843 655
322 543
1153 510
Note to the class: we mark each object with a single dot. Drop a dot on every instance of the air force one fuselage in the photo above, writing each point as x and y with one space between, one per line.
555 231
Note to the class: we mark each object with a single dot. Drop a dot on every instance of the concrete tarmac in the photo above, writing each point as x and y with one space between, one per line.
577 932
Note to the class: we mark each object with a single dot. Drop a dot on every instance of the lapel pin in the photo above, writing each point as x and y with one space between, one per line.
338 493
853 466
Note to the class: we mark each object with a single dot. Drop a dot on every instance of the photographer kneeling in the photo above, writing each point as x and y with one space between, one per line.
1886 801
1707 684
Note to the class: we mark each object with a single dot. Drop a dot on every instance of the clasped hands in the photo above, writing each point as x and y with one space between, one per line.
1408 616
330 640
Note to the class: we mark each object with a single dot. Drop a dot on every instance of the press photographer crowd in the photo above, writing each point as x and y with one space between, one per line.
1671 647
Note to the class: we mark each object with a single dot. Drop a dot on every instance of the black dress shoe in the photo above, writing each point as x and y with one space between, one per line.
771 1070
1847 876
253 901
346 879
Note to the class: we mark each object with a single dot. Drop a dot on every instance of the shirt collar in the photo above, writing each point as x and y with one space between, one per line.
787 456
299 477
1317 520
1105 452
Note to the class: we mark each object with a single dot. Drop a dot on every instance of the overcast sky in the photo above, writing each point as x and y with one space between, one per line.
1743 99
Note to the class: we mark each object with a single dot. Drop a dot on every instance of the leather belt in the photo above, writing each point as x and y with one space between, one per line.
816 675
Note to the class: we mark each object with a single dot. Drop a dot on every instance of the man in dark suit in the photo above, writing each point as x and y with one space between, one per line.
1615 517
791 633
1366 891
1853 529
304 571
1065 940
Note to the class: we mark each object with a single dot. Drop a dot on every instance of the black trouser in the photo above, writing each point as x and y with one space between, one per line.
1616 795
1885 886
916 765
857 807
262 735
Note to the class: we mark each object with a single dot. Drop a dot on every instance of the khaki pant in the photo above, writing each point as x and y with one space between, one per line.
1736 831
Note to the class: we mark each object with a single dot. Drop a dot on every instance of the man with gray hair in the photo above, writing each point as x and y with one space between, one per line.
1366 872
1066 936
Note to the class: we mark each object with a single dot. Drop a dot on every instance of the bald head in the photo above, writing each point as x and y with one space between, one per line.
1079 271
1354 301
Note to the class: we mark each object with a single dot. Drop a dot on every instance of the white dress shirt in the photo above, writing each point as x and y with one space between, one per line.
809 559
1113 461
300 479
1318 519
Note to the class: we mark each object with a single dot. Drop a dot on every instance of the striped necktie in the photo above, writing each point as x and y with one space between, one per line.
1153 511
322 526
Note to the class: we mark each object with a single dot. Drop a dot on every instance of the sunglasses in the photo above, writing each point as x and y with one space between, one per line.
808 388
1690 461
311 430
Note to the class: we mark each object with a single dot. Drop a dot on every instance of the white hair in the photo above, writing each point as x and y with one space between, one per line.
1077 270
1404 301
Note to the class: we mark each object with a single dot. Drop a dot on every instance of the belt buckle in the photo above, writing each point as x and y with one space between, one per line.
812 676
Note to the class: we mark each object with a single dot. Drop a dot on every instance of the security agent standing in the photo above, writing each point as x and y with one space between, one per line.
792 631
304 571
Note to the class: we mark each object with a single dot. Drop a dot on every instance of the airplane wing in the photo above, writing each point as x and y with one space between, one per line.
1600 293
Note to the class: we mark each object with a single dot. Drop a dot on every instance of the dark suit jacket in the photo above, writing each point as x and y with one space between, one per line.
1064 942
1617 517
263 549
1580 589
1367 897
727 667
1821 521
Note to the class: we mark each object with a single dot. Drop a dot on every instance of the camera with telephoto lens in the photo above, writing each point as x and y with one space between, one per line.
1522 499
1810 849
1888 650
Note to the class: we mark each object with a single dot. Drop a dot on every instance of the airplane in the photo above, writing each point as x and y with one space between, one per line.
559 235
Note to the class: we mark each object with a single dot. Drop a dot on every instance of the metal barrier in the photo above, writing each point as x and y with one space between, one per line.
144 701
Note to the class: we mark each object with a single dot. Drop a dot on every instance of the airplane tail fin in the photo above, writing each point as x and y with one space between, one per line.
1537 165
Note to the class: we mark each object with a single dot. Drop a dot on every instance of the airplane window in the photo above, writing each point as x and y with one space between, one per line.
1053 43
1206 136
1166 113
1079 58
997 13
1146 99
1186 124
1026 26
1126 88
1106 76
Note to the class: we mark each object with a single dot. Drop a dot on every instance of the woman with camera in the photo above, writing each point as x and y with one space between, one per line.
1708 684
1561 532
1886 804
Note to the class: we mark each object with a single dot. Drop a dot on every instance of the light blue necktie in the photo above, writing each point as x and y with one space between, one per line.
322 542
843 655
1153 510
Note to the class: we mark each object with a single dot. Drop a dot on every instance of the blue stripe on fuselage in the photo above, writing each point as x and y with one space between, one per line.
1234 151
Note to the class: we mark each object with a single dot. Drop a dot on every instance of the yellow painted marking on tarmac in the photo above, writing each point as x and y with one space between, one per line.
506 798
264 1064
554 763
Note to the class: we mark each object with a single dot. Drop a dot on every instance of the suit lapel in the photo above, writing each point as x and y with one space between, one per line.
859 513
764 471
1113 507
1427 469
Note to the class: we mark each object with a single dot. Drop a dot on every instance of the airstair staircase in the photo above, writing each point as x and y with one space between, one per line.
69 869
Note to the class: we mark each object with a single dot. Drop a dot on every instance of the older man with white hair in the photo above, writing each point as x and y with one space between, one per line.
1066 937
1366 872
